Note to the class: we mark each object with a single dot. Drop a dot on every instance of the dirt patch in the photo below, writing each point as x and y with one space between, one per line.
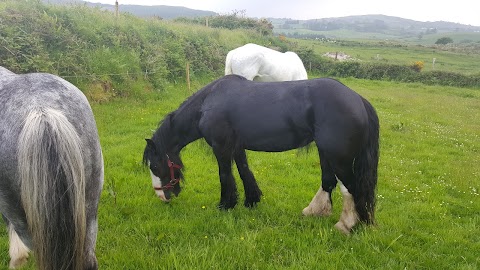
338 56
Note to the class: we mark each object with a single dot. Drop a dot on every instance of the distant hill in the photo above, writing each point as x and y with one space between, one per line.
363 26
383 22
379 26
165 12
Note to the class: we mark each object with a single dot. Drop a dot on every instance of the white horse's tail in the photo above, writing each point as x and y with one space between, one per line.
228 63
298 68
52 179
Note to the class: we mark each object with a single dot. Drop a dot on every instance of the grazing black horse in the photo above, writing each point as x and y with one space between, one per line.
234 114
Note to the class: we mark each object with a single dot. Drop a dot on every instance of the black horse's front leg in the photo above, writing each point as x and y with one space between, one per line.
222 139
229 194
252 191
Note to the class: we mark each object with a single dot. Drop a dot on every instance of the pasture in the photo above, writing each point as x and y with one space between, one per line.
464 61
428 199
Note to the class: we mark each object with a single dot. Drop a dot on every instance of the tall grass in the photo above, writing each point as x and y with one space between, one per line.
428 193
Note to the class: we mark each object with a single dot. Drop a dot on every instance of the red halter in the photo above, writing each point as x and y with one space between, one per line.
173 180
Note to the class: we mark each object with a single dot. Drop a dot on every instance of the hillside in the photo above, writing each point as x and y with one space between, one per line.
165 12
106 55
370 27
350 27
160 11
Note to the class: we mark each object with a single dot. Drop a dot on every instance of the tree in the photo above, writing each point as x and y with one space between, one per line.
444 40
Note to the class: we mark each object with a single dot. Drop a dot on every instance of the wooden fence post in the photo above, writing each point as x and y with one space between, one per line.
188 76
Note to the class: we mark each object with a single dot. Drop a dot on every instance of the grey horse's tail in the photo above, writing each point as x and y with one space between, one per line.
52 179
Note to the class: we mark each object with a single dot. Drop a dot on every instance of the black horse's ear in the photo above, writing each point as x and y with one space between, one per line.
150 143
170 119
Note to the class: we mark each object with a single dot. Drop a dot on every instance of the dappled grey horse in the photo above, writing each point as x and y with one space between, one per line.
51 171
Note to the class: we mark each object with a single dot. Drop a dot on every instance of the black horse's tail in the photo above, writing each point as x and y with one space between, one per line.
365 169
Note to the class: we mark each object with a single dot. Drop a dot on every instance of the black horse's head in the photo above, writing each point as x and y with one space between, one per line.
165 170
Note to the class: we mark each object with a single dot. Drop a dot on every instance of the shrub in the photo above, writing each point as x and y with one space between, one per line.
417 66
444 40
235 20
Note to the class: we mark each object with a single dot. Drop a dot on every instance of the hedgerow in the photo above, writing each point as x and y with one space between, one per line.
89 45
384 71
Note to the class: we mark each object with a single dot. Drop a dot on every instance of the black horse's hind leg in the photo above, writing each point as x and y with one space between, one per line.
321 204
349 217
252 191
229 195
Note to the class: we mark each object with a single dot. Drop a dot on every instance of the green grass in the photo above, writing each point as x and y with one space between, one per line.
346 34
428 193
457 37
399 53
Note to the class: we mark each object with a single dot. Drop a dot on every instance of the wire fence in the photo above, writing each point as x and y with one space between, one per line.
146 73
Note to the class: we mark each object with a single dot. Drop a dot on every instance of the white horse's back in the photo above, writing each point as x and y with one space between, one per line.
259 63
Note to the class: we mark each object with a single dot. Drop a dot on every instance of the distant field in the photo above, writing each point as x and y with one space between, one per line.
457 37
395 52
428 194
344 34
463 56
336 34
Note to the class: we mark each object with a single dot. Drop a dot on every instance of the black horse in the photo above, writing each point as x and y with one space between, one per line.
234 114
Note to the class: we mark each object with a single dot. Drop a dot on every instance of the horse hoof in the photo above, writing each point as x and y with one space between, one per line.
18 263
323 212
92 265
226 206
306 211
250 204
342 228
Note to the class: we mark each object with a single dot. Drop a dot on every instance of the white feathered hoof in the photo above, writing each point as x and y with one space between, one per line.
18 251
18 262
343 228
317 210
320 205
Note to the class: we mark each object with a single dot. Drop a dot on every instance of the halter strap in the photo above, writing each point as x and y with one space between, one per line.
173 180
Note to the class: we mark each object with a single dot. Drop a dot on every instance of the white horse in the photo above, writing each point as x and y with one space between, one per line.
51 171
258 63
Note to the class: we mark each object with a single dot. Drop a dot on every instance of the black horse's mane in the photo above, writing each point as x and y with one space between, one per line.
183 114
195 101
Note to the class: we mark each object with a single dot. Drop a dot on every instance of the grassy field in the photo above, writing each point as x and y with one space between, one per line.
345 34
428 193
400 53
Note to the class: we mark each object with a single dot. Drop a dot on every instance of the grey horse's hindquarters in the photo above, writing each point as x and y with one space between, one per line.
50 142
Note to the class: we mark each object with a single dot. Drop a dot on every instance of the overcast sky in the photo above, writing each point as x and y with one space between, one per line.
459 11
